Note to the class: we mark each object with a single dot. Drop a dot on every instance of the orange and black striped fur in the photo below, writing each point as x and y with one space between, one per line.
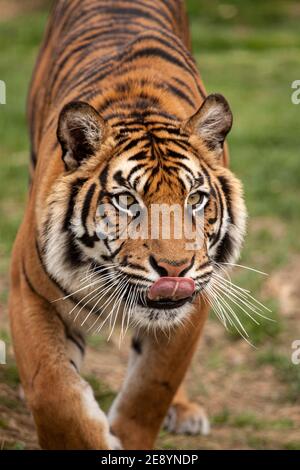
116 106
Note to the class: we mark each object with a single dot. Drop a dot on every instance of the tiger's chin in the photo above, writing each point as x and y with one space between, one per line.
164 315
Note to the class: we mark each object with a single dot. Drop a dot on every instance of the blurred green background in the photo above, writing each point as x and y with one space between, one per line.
248 50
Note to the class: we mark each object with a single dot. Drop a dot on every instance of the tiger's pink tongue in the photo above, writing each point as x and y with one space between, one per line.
171 288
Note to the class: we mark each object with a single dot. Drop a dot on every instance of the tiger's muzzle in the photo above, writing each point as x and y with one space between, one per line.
170 292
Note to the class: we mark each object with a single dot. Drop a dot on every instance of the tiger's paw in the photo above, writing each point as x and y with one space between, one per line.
187 418
114 442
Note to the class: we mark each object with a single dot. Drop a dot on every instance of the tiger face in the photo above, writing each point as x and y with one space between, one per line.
132 185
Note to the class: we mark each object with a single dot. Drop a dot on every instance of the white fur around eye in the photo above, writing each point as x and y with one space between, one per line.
197 201
126 207
202 204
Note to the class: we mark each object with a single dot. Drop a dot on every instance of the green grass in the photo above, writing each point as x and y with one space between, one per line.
259 443
166 440
10 403
245 14
243 420
17 445
95 341
19 42
250 420
293 445
3 424
221 418
102 392
287 372
4 336
9 374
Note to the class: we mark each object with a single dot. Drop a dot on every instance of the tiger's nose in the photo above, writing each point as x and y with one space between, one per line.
168 268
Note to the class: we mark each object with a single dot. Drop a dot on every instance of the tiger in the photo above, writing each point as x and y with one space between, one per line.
119 117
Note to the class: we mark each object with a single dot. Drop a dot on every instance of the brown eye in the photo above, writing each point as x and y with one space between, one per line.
197 200
128 199
124 201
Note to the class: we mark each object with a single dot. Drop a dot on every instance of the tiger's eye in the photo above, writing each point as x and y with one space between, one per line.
126 200
130 200
195 198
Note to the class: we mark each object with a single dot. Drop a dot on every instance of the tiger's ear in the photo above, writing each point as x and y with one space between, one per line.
211 122
80 132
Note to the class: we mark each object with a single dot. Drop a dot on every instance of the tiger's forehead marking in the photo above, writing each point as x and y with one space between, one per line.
155 157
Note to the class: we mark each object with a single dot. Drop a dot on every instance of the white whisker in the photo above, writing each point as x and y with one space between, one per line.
219 289
121 296
101 286
226 310
236 321
245 294
108 301
100 298
87 286
244 267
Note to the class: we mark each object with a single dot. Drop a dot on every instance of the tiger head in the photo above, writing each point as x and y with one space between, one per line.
118 178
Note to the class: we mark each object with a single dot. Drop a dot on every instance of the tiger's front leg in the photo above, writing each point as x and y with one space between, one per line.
156 369
65 411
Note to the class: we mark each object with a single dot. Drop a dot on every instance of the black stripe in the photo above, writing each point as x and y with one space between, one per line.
136 344
204 265
138 167
184 167
74 365
217 235
170 129
138 156
227 192
50 275
86 205
113 254
132 143
177 155
137 277
88 38
126 13
224 249
71 337
140 116
183 84
203 277
74 191
89 240
180 94
160 53
76 342
67 334
34 291
126 264
119 178
103 177
30 285
73 254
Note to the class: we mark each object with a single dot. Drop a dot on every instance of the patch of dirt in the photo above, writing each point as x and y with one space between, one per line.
16 423
284 285
294 9
224 377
